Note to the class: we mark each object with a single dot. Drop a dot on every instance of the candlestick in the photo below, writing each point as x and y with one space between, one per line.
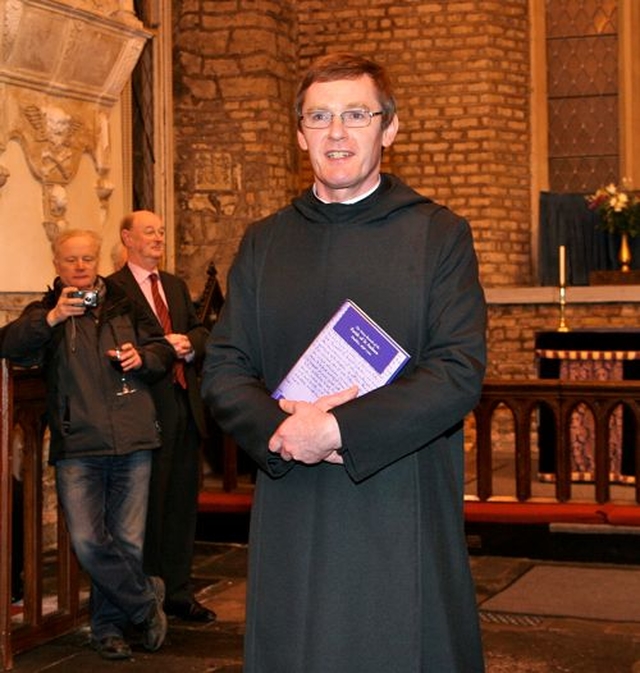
562 252
563 327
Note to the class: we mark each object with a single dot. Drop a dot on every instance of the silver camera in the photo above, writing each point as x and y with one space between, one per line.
89 297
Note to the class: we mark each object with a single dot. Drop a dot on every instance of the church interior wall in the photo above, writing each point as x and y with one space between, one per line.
464 76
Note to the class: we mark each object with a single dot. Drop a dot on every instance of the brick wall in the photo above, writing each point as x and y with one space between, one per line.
234 78
462 78
462 83
512 328
461 75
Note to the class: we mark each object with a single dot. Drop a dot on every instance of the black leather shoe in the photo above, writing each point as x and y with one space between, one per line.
112 647
190 611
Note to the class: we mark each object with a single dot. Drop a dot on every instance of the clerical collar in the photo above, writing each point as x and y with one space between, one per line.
349 202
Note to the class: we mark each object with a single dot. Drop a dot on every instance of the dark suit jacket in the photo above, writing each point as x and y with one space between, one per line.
184 321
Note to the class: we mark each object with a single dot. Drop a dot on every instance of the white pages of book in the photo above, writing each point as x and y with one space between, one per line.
350 349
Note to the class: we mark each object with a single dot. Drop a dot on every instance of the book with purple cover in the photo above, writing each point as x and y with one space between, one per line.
350 349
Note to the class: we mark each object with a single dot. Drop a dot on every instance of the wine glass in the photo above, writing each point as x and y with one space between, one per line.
114 360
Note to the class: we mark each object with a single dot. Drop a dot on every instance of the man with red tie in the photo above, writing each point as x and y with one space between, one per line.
173 493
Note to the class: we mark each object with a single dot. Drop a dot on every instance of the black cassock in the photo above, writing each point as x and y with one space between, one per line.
361 566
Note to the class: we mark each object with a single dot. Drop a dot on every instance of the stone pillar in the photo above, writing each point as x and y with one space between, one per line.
236 158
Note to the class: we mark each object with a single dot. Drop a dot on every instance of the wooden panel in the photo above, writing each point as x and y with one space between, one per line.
22 394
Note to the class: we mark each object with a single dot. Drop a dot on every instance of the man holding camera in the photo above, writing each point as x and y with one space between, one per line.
98 355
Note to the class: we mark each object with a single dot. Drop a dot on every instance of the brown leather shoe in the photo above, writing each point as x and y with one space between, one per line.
112 647
154 627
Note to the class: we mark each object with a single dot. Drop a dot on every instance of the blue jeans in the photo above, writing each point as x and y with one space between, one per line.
104 500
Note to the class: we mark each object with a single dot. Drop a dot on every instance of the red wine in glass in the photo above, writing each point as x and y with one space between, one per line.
114 361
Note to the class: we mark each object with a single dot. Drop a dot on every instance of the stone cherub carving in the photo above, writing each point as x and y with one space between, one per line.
55 209
58 142
54 142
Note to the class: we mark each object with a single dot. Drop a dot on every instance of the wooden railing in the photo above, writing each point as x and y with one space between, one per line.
523 399
45 612
22 398
488 440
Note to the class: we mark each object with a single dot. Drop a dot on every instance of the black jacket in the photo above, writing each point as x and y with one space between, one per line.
85 416
184 321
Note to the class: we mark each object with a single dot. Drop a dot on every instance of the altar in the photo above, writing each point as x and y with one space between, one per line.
588 355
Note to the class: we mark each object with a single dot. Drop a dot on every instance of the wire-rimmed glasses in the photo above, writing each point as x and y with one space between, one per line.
353 119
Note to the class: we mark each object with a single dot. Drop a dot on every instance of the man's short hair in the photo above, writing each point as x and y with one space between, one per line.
345 65
66 234
127 221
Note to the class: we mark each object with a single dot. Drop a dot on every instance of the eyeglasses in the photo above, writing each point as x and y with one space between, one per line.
352 119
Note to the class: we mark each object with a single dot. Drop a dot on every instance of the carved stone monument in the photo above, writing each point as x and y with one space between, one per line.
62 70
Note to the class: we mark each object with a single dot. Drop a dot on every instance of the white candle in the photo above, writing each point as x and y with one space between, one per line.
563 260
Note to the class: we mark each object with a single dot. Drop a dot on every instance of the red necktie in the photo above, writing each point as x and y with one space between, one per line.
165 320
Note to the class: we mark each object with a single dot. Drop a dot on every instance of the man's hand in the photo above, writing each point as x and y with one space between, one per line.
181 344
311 434
66 307
129 357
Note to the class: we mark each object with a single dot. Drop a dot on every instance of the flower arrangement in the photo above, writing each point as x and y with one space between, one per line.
618 208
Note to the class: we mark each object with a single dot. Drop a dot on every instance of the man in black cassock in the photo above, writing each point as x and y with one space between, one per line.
358 560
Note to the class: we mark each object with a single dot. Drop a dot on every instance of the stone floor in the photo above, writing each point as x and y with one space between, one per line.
516 641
